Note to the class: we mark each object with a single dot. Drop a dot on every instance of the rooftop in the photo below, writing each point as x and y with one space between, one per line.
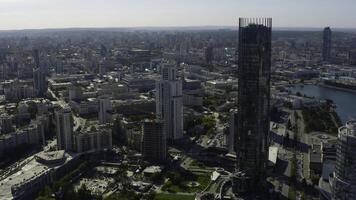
349 129
51 156
27 170
152 170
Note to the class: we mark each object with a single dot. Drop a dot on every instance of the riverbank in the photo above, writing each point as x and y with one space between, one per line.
344 100
337 88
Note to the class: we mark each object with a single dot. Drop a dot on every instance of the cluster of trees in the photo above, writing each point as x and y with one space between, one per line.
82 193
62 189
209 102
212 102
318 119
208 123
191 122
177 179
157 178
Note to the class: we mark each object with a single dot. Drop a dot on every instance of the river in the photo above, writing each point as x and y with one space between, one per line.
345 101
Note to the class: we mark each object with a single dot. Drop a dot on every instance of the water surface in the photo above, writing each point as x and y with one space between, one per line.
344 100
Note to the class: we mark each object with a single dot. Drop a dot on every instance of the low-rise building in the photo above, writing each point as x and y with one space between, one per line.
315 158
85 107
34 173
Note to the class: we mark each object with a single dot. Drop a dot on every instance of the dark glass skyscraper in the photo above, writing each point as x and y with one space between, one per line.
327 44
254 66
154 142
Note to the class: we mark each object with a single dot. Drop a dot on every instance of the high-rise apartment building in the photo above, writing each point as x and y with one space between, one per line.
169 102
344 179
39 80
254 71
39 76
154 141
209 54
97 139
327 44
64 129
104 107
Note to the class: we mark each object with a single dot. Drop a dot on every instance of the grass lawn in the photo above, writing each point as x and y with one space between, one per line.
203 180
173 197
196 163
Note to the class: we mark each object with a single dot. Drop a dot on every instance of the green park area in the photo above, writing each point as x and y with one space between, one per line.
320 119
183 181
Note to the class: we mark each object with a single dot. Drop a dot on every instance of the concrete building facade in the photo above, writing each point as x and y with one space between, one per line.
104 107
169 102
93 141
344 178
64 129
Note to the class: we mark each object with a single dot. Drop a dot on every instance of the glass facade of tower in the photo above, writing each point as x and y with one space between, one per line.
254 66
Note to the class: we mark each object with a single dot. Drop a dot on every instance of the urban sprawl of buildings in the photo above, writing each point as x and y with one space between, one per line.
175 114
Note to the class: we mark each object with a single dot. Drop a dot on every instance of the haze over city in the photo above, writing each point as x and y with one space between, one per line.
37 14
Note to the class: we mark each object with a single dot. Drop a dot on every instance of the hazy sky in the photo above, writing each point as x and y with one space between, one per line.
24 14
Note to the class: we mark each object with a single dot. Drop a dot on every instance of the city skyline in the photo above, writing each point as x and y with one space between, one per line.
40 14
188 99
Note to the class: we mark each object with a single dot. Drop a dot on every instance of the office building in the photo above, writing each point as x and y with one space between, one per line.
64 129
169 102
327 44
254 71
344 178
154 141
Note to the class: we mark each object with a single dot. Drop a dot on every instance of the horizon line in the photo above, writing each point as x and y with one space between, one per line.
213 27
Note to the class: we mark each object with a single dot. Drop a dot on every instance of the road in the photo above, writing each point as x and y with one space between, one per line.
302 157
